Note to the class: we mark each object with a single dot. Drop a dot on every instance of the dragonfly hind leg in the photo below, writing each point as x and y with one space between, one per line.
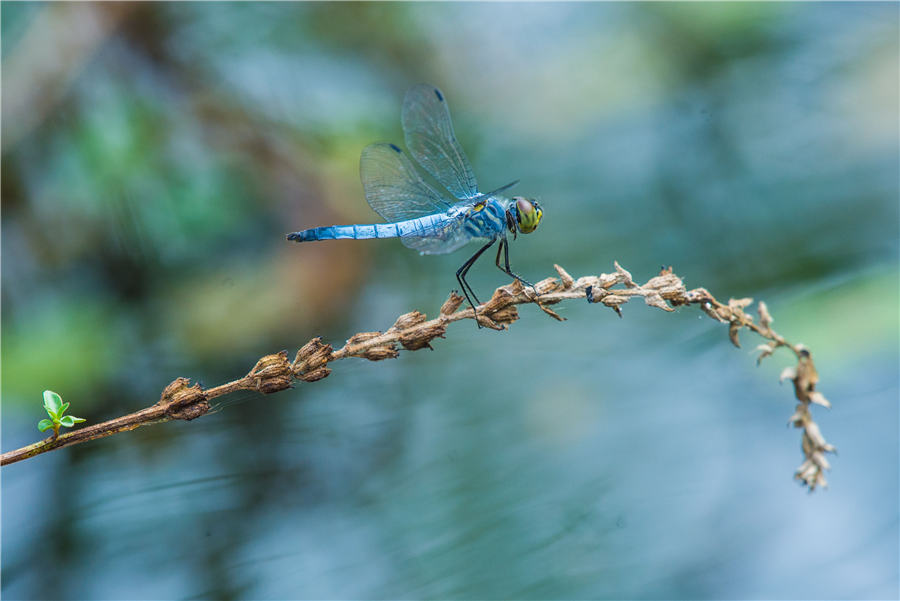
504 246
464 284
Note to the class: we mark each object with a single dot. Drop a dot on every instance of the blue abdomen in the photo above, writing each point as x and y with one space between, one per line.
423 226
348 232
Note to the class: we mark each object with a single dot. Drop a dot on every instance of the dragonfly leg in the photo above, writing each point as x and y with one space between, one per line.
504 244
464 284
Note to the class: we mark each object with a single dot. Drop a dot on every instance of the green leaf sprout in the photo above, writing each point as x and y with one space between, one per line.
55 409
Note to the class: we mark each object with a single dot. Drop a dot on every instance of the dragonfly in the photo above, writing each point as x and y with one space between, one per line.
433 219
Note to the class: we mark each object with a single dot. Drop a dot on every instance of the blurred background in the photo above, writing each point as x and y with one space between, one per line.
155 155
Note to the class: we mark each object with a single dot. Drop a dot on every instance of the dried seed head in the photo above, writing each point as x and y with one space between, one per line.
506 315
314 350
567 280
664 280
451 304
547 285
312 356
174 386
189 412
725 314
179 393
765 350
183 401
788 373
486 322
811 473
815 436
550 312
272 373
807 377
624 276
408 320
274 384
733 330
362 337
314 375
765 319
653 299
799 417
819 459
270 363
607 280
501 298
739 304
379 353
819 399
674 293
807 472
421 337
618 310
613 300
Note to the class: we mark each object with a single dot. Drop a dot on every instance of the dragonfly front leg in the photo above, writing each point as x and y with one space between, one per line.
464 284
504 245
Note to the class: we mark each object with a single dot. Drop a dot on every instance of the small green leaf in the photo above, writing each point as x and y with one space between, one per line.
67 420
45 424
77 420
63 408
52 402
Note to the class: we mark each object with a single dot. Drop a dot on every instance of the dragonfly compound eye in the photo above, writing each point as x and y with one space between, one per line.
528 214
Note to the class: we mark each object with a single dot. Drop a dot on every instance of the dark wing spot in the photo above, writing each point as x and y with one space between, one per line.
438 94
395 149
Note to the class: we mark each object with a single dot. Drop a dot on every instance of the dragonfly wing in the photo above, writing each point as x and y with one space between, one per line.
440 240
393 187
430 139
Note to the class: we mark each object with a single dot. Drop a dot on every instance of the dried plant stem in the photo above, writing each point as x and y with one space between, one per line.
413 331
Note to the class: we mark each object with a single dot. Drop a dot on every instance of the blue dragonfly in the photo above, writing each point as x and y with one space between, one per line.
427 218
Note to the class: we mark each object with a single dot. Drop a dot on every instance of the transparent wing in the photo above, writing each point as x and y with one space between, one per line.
440 240
393 188
431 141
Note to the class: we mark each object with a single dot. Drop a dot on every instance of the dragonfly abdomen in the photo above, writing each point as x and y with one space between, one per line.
342 232
421 226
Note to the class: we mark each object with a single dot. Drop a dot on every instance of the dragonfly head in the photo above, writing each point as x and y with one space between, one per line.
527 214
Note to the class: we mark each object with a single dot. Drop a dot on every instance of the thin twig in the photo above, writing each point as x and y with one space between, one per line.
413 331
